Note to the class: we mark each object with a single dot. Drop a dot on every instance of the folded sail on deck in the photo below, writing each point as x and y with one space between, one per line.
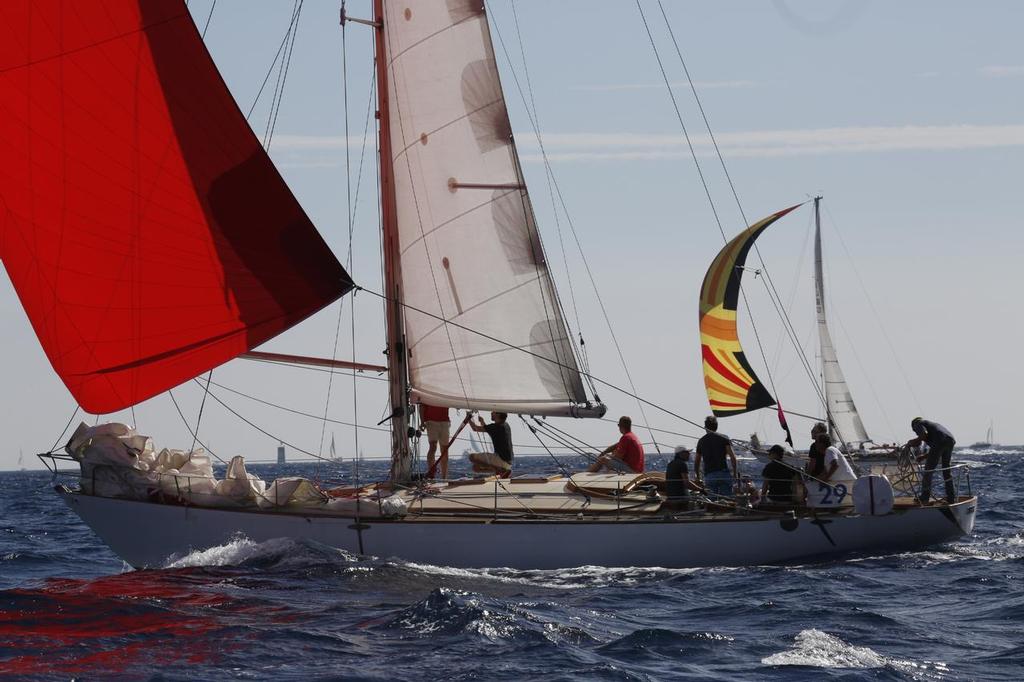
476 288
845 421
147 233
732 386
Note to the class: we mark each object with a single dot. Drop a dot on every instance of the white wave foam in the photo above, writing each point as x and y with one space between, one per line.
239 549
816 649
566 579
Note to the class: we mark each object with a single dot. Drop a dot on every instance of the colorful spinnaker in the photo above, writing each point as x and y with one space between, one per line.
146 232
732 385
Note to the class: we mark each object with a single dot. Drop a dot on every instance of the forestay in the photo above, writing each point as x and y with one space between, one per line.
474 281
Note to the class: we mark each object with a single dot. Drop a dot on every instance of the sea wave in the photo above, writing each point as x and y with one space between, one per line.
581 577
275 553
814 648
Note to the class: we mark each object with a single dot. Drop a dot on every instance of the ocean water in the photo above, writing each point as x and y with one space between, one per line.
288 610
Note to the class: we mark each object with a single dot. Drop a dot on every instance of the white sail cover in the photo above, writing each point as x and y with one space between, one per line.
845 421
471 258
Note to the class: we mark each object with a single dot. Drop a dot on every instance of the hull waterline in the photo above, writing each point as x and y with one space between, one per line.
146 534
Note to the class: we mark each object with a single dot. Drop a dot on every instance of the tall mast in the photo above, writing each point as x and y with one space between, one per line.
819 301
398 380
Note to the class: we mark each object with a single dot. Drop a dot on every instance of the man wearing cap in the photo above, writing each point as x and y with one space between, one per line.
677 480
940 449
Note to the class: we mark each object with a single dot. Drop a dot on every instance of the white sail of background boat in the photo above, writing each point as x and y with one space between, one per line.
844 422
472 317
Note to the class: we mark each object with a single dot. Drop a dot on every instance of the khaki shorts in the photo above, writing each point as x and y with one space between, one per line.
490 459
439 432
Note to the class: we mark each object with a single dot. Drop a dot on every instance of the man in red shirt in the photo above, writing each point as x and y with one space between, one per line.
625 456
436 423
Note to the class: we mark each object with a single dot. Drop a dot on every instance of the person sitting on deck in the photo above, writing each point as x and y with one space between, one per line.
778 478
833 487
677 480
500 461
624 456
815 453
437 425
712 449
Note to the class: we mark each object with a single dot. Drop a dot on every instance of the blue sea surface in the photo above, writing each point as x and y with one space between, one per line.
297 610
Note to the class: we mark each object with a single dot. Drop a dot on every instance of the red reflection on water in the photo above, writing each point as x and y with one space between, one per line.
121 622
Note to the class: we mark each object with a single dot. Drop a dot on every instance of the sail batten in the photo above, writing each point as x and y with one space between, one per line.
146 231
730 381
474 282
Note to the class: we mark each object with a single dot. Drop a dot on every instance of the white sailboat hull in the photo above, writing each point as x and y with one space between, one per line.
148 534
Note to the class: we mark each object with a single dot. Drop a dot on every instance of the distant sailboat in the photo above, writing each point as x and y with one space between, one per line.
989 442
844 422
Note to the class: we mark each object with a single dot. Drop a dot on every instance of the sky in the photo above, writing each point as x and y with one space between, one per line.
908 117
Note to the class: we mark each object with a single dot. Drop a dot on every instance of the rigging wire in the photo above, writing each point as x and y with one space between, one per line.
703 179
874 311
553 362
199 417
296 412
258 428
282 78
871 386
184 421
769 284
773 294
66 427
584 360
270 70
561 199
208 18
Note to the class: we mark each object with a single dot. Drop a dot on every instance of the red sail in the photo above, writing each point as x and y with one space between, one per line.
145 230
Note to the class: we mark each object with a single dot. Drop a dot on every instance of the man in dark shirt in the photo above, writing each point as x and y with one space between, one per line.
677 480
816 453
712 449
778 478
940 449
500 461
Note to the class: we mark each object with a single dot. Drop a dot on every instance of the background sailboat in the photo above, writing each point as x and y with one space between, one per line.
843 419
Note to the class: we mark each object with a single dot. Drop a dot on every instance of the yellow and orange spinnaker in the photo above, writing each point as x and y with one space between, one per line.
732 386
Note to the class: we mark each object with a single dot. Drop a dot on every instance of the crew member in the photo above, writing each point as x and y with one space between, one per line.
624 456
712 449
500 461
940 449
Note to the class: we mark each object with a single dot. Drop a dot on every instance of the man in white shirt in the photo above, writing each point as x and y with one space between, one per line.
834 486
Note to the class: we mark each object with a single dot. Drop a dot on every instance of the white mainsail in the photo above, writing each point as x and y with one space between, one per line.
845 421
476 289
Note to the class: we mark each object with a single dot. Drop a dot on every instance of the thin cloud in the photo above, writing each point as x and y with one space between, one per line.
775 143
997 71
700 85
568 147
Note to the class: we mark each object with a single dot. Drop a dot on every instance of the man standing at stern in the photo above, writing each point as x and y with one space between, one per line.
940 449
